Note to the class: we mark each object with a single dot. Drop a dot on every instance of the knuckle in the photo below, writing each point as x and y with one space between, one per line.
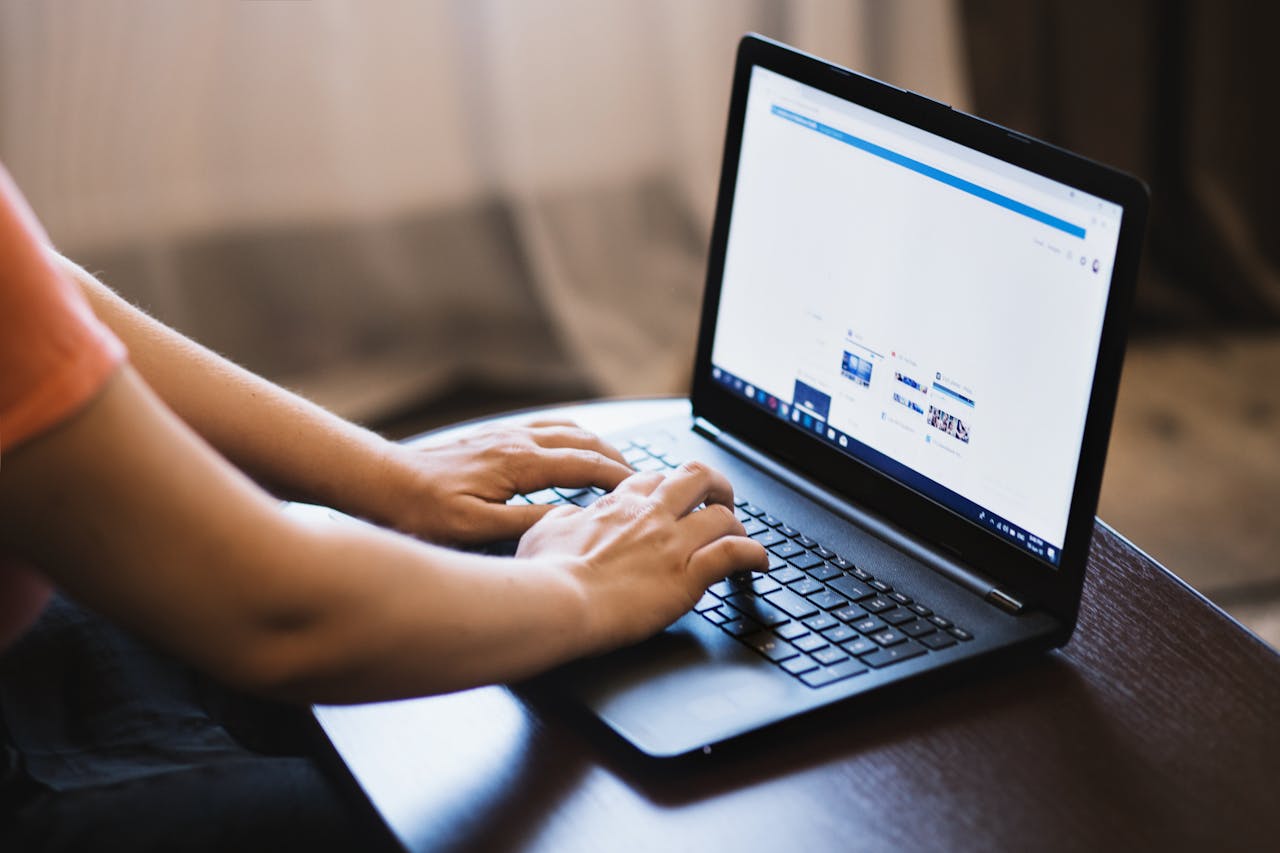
693 466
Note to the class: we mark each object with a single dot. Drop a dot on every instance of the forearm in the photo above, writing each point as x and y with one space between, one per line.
161 535
392 617
288 444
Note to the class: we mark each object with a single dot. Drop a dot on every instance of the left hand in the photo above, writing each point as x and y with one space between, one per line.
457 493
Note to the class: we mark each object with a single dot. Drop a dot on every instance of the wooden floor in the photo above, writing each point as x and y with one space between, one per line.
1193 471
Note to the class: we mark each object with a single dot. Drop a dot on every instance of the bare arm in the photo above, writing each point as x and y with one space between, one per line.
127 509
450 494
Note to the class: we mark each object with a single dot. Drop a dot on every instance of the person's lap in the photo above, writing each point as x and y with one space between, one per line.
109 744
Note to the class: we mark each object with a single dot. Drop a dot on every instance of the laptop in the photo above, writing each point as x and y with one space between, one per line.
907 365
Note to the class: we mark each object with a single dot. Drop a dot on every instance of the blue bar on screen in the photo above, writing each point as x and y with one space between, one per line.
933 172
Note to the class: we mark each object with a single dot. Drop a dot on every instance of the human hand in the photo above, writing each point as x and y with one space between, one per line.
642 555
457 493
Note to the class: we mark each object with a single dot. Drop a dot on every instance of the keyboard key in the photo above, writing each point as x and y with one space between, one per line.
806 586
858 573
938 641
768 538
743 517
869 625
707 602
769 520
739 502
752 509
920 610
860 646
518 500
916 628
805 542
776 562
740 627
897 616
901 598
543 496
850 588
851 613
770 646
806 560
821 622
788 530
823 572
827 675
960 634
893 654
633 454
790 630
650 463
824 553
786 574
795 606
841 562
786 548
752 526
723 589
758 609
798 665
585 499
939 621
829 655
889 637
879 586
809 643
840 634
877 604
715 617
765 585
828 600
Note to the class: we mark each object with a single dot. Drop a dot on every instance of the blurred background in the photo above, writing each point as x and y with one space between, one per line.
415 212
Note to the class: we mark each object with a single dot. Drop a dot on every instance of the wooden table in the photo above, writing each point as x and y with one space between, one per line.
1157 726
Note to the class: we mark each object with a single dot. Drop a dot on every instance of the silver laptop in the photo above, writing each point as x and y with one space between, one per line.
910 347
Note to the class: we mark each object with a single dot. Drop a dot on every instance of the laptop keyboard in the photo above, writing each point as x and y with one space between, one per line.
813 613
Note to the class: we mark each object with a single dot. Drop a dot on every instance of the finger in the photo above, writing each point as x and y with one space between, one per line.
725 556
505 521
569 466
691 484
551 422
640 484
706 525
571 436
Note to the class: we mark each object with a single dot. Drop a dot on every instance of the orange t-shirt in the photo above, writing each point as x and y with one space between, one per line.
55 356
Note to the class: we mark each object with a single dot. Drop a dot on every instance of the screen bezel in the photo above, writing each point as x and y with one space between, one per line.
1036 582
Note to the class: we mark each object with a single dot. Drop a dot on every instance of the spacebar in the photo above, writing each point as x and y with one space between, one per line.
797 607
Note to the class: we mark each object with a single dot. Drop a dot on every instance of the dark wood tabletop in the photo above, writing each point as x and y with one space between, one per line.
1157 726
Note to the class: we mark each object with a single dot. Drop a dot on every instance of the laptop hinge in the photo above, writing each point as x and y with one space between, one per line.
704 427
1004 601
974 581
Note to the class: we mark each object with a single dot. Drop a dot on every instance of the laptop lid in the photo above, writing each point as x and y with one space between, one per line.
921 311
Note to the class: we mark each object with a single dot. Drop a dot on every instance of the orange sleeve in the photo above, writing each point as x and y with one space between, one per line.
54 353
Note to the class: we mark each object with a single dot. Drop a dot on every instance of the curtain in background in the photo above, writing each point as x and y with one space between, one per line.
374 200
1179 92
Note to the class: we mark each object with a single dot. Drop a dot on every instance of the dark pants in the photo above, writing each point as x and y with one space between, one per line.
107 744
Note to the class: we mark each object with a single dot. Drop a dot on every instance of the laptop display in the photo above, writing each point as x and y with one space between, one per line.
920 306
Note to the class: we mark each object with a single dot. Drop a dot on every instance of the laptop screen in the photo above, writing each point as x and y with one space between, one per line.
923 307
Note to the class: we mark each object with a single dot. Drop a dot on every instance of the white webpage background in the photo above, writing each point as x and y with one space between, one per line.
831 245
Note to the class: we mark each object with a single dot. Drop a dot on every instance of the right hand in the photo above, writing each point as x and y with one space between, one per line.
641 555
